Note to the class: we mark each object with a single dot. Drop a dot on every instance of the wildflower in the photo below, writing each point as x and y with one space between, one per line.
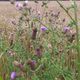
19 6
38 52
32 64
13 75
66 29
34 33
43 28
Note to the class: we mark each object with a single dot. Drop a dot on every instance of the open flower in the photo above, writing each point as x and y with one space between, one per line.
65 29
43 28
13 75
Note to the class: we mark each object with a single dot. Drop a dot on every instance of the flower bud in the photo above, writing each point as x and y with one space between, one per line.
32 64
38 52
34 32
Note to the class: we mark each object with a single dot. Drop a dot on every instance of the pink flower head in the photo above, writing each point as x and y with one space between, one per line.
43 28
19 6
13 75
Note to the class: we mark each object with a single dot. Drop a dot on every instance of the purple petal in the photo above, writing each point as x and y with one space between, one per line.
66 29
43 28
13 75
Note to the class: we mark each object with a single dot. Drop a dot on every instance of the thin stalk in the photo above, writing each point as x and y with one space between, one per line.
77 38
65 10
77 29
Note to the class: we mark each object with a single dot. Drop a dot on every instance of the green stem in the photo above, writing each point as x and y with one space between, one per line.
77 29
65 10
77 38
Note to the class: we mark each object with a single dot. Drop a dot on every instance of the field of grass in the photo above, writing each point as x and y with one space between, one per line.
40 42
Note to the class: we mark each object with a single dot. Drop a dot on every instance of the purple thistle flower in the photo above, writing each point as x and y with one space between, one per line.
13 75
65 29
43 28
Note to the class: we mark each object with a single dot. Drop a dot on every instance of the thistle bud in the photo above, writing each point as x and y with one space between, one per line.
38 52
32 64
34 32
